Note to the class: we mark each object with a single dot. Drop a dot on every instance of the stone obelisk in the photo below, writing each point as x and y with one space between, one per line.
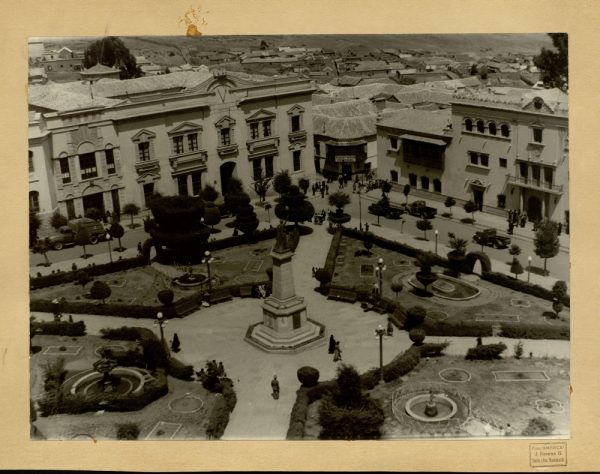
285 326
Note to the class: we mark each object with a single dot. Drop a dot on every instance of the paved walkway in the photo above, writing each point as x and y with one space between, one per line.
218 333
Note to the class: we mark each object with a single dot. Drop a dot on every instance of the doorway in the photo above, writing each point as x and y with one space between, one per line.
226 171
534 209
93 201
478 198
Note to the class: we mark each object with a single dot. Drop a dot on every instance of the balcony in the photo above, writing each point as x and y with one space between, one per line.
536 184
191 160
143 167
297 136
263 145
225 150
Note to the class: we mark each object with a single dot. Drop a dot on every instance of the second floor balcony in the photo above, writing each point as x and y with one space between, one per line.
537 184
146 166
263 145
193 159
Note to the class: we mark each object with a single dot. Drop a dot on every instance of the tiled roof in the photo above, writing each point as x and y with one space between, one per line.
100 69
346 120
423 95
515 98
54 97
421 121
371 66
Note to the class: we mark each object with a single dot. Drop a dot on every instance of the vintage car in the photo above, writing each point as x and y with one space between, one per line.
421 209
491 238
66 234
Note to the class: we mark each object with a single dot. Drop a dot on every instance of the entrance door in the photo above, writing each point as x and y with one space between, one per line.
226 174
347 170
93 201
478 198
534 208
115 200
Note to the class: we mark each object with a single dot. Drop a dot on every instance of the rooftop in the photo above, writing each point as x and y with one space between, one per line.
555 101
422 121
54 97
345 120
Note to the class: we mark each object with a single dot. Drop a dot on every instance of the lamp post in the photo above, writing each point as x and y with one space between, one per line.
108 237
160 322
380 269
359 210
401 224
380 332
528 268
208 260
436 237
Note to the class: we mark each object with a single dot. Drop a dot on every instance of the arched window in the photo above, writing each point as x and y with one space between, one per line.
34 201
505 130
469 125
480 126
31 161
492 128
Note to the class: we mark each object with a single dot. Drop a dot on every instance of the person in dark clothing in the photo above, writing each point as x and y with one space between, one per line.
523 219
275 387
511 226
366 227
139 248
390 328
337 352
331 344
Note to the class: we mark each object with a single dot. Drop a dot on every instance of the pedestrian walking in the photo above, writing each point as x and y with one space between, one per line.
275 387
331 344
511 226
508 431
366 227
559 228
322 191
337 352
390 328
515 217
139 248
221 369
523 219
327 189
510 213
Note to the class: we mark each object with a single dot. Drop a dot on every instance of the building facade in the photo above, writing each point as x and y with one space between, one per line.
176 143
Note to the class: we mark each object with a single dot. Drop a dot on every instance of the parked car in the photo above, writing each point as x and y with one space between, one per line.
491 238
384 208
421 209
66 234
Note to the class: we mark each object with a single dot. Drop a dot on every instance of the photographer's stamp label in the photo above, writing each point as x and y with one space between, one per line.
548 454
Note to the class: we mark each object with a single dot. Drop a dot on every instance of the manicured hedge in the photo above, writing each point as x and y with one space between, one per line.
108 309
92 271
486 351
464 328
401 365
298 415
432 349
333 251
59 328
528 331
257 236
522 286
219 417
179 370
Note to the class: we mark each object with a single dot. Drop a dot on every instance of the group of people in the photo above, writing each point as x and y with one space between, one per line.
320 187
516 218
319 217
212 369
334 348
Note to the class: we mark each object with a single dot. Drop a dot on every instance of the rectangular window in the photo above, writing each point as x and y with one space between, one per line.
178 145
182 187
394 143
225 137
524 170
473 158
501 201
549 175
425 183
266 128
535 173
65 170
295 123
484 160
503 163
437 185
297 160
31 170
70 209
144 151
537 135
148 191
394 176
192 142
87 165
254 131
256 169
269 166
196 183
412 179
110 162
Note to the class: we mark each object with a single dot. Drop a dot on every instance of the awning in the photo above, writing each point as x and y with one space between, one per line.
416 138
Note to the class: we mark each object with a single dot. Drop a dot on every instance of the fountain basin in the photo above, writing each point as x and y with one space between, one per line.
190 280
132 381
416 408
449 288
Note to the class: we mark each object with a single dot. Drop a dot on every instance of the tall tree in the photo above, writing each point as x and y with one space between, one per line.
294 207
554 65
282 182
42 246
116 231
132 209
546 243
112 52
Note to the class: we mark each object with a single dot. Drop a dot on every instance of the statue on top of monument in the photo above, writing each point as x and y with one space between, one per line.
281 243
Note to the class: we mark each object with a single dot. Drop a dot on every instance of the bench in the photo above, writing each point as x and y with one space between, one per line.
246 291
186 306
217 296
341 294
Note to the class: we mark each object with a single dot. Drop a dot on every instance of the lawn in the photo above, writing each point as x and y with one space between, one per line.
103 425
498 403
494 300
139 286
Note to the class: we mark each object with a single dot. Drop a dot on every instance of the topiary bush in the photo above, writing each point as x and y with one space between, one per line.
59 328
415 316
417 336
128 431
486 351
179 370
350 423
308 376
165 296
538 426
431 349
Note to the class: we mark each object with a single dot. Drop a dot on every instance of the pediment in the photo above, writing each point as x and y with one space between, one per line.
296 109
143 135
537 104
261 114
185 127
225 122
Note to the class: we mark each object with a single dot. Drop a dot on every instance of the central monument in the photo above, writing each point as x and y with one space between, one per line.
285 326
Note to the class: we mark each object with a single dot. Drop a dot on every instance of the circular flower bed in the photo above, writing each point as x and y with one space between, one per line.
549 406
455 375
186 404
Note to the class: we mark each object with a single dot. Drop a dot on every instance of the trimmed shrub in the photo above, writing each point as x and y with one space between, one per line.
59 328
228 394
363 422
528 331
432 349
308 376
417 336
486 351
524 287
179 370
415 316
538 426
124 333
219 417
128 431
401 365
100 291
333 251
298 415
463 328
165 296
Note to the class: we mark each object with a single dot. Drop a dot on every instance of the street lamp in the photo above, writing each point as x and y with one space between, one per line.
380 332
208 260
401 224
436 237
528 268
160 322
108 237
380 269
359 210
